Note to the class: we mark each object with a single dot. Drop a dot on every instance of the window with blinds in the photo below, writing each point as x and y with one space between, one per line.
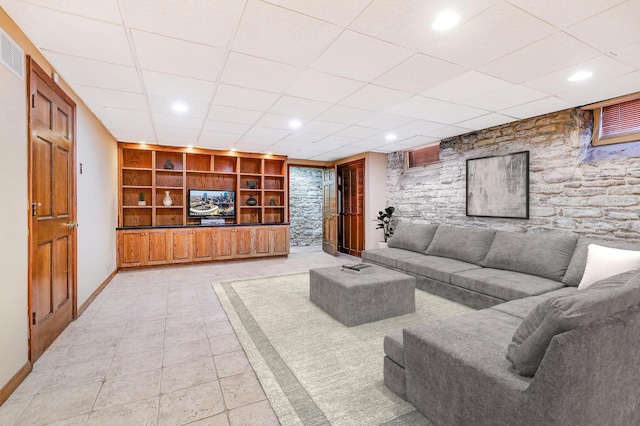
424 156
616 123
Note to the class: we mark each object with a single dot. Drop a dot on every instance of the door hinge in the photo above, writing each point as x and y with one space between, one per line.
33 318
33 101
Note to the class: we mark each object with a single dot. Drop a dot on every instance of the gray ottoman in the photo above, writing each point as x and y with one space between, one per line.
355 298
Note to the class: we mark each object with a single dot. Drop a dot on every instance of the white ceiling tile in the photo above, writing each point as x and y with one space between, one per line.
177 88
176 135
322 127
472 45
543 57
78 36
375 98
163 105
133 136
329 156
304 137
507 97
271 134
535 108
290 145
298 107
323 87
260 74
465 87
233 115
602 67
217 140
340 12
87 72
408 22
172 56
368 145
253 147
456 114
419 73
419 127
343 114
345 151
253 140
487 121
209 22
211 126
385 121
293 38
111 98
123 119
617 86
239 97
275 121
304 154
358 132
630 55
611 29
360 57
449 131
334 141
419 107
566 12
176 120
101 10
414 142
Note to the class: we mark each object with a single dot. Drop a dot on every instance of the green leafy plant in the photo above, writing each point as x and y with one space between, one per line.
141 196
384 222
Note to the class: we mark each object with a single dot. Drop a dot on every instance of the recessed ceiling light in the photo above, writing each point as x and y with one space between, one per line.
445 21
179 107
580 75
390 137
295 124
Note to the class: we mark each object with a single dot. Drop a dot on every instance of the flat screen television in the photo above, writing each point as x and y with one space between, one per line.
211 203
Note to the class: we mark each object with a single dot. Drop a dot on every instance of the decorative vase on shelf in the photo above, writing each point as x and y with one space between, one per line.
272 202
252 201
167 199
168 165
252 184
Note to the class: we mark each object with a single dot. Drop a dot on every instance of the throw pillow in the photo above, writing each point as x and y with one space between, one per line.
604 262
412 236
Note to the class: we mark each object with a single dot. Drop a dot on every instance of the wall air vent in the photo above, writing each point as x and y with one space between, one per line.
12 55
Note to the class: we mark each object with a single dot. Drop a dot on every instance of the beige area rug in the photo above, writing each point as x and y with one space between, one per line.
315 370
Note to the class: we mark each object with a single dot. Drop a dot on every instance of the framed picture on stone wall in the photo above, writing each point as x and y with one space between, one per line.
498 186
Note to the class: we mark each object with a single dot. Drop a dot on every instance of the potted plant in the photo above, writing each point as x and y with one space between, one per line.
141 201
384 223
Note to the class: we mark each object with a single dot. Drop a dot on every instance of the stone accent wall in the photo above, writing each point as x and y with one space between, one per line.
573 188
305 206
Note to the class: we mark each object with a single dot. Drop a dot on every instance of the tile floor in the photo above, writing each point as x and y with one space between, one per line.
154 348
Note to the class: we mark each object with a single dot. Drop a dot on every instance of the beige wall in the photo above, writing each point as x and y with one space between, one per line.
96 206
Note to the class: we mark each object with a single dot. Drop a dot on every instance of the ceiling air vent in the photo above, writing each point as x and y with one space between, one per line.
12 55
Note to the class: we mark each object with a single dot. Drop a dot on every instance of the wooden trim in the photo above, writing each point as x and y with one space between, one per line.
95 294
618 100
15 381
238 154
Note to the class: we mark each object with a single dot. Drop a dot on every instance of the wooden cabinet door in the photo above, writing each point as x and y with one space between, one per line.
261 240
202 245
244 242
224 243
131 248
156 247
279 244
180 245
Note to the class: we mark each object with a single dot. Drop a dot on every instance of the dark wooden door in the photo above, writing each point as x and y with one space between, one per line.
329 206
52 299
351 211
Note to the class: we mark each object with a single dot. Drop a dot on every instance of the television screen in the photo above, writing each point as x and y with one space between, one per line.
209 203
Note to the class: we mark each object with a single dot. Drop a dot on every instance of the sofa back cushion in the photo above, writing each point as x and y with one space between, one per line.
543 255
561 313
464 244
413 236
576 268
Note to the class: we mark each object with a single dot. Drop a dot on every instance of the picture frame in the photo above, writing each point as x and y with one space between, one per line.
498 186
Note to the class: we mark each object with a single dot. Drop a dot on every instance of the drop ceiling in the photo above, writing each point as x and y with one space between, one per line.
351 71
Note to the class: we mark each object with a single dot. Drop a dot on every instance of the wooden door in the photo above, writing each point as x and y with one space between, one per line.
156 251
224 243
351 208
131 248
279 244
202 245
261 240
329 229
180 245
244 241
52 274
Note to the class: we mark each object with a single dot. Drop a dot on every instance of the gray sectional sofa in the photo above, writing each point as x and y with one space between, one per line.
538 352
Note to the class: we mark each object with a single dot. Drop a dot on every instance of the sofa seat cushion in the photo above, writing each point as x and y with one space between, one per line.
464 244
388 256
578 263
560 314
394 347
505 285
412 236
434 267
543 255
520 308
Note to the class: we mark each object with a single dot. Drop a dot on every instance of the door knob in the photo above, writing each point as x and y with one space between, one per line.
72 225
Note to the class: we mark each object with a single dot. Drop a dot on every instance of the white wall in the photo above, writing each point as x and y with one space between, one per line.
375 198
96 205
